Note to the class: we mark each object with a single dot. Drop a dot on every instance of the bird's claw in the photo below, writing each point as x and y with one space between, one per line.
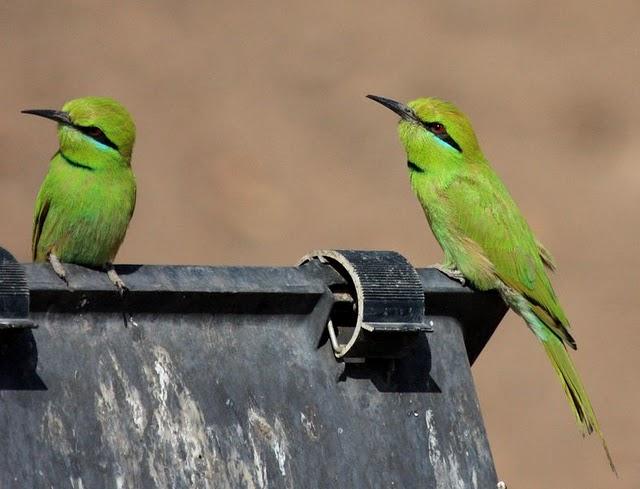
116 280
56 264
452 273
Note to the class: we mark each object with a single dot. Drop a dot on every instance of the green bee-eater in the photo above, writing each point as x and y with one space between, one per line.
87 198
485 238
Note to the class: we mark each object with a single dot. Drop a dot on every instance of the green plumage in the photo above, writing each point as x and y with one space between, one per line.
483 235
88 196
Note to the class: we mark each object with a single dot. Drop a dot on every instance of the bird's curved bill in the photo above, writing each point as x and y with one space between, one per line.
402 110
54 115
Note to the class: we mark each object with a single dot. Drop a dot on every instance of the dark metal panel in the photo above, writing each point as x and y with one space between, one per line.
479 313
237 401
222 377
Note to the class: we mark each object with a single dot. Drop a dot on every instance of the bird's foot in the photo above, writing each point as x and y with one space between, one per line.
115 278
56 264
452 273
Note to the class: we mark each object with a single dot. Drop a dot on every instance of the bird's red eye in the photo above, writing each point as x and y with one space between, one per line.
437 128
94 132
97 134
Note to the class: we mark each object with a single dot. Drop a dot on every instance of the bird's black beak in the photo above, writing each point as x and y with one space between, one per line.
402 110
54 115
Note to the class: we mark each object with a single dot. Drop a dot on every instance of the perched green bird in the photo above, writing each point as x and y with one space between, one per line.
485 238
87 198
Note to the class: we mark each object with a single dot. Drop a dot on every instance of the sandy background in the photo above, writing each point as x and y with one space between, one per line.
256 145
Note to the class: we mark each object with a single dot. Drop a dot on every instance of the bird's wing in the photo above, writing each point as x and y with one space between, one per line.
546 257
43 204
128 201
484 213
133 200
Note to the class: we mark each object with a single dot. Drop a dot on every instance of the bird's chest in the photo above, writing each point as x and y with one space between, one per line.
438 206
430 189
94 198
90 209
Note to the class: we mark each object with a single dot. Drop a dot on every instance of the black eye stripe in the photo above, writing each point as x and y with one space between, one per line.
451 142
442 135
97 134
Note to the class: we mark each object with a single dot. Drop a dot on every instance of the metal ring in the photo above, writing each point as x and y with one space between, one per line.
341 350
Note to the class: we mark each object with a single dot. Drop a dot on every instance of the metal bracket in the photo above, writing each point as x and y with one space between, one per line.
387 297
14 294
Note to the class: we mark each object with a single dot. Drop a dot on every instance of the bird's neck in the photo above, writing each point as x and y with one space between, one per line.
92 162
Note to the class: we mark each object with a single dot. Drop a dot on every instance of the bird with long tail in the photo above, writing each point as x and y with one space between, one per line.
485 239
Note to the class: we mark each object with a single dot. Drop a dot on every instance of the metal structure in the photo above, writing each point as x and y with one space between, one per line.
226 377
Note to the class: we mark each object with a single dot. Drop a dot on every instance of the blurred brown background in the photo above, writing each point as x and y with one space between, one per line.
256 145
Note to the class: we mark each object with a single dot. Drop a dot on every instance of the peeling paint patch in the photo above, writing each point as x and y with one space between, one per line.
53 430
274 436
308 426
180 450
76 483
239 472
260 468
131 397
445 469
157 431
115 418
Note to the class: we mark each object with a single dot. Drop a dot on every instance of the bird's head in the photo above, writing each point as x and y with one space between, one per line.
96 131
433 132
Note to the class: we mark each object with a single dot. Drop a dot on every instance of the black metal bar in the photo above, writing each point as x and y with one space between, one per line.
176 289
246 290
217 282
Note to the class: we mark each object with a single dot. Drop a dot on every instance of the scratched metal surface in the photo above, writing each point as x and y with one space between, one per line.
93 399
